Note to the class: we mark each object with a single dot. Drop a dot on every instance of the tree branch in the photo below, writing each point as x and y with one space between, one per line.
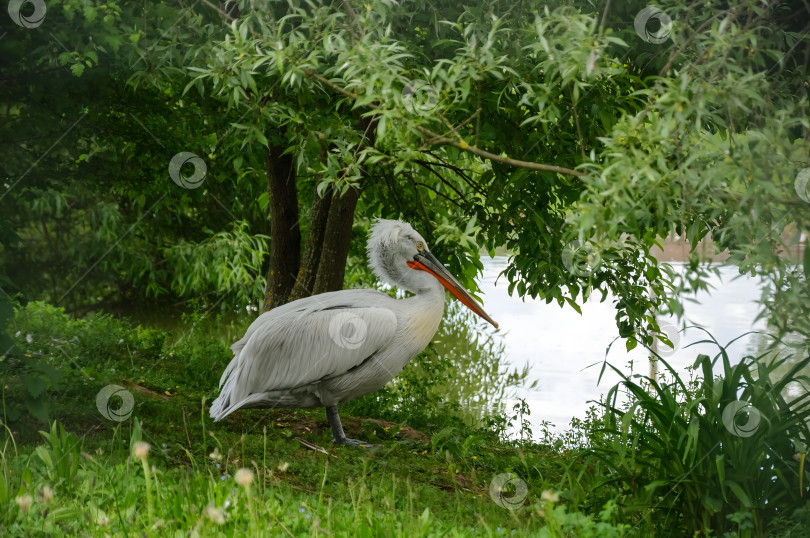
443 140
451 200
426 165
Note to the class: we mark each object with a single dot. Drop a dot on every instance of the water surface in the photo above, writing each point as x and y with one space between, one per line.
565 350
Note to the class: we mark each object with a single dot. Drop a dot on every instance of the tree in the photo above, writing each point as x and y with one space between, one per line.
567 134
626 135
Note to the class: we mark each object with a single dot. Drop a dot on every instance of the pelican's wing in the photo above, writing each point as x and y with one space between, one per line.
304 342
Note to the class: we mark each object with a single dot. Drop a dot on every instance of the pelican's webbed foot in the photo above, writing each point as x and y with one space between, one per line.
356 442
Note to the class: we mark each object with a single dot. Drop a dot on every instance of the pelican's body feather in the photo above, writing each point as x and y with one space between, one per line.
326 349
331 348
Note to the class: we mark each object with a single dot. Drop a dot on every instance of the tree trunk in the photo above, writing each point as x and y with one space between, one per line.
338 233
323 268
336 240
285 234
319 216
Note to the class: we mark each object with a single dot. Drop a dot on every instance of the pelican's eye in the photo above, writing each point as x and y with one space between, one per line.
420 245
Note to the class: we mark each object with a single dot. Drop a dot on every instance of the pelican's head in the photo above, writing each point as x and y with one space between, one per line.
400 256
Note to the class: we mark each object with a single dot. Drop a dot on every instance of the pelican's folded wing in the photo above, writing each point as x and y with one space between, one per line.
288 348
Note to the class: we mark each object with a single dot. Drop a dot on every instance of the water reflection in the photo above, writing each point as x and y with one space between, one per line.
565 350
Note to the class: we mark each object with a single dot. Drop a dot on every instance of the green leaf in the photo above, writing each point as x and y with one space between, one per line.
720 463
739 493
34 384
45 455
38 407
54 375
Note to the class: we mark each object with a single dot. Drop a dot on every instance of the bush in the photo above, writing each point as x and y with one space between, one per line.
720 454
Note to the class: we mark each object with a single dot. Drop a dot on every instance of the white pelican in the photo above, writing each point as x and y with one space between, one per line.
327 349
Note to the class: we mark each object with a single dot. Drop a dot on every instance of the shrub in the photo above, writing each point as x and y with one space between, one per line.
720 454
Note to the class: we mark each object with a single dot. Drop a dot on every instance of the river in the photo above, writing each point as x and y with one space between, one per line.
565 350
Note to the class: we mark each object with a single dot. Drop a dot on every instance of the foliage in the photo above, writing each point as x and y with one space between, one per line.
85 182
76 352
29 379
60 456
232 261
658 463
623 142
201 497
560 522
195 460
700 135
722 453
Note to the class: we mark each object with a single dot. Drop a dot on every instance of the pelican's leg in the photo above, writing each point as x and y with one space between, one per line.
337 430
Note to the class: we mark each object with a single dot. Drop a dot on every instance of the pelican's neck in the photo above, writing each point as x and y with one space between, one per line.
432 290
425 310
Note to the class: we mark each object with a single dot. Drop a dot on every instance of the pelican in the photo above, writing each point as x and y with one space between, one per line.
323 350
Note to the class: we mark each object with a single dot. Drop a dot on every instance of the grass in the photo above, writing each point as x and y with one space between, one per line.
166 469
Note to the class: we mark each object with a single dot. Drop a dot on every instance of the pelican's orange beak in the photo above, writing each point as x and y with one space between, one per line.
425 261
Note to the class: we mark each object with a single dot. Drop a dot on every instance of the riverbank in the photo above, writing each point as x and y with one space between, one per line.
133 451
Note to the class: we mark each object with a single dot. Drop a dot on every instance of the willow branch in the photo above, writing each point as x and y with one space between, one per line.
497 158
438 193
427 166
443 140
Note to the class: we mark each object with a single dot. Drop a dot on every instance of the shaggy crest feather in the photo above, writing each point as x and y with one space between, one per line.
385 237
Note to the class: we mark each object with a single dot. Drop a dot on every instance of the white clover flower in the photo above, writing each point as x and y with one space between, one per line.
549 496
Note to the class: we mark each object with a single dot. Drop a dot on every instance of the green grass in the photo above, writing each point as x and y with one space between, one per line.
437 485
634 469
